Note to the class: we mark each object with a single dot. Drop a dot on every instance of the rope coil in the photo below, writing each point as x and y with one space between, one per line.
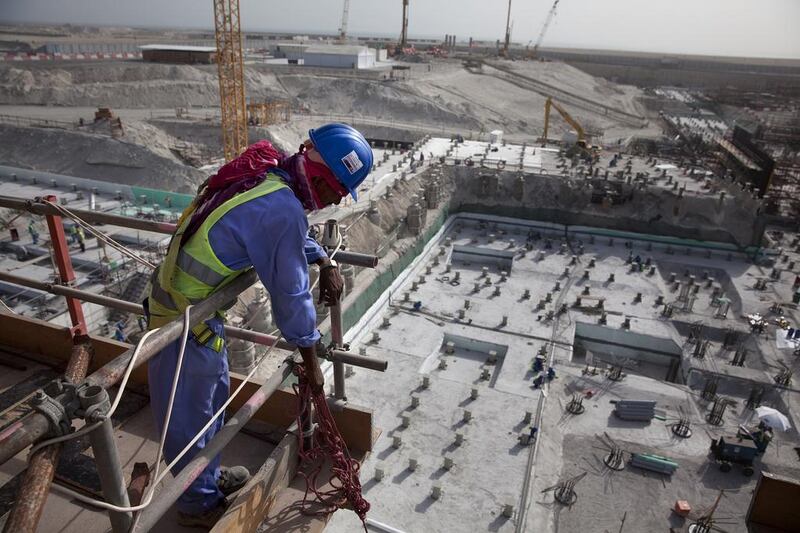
326 443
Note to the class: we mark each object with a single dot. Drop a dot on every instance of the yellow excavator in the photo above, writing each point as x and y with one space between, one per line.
581 142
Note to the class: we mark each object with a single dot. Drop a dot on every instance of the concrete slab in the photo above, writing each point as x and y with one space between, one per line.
440 302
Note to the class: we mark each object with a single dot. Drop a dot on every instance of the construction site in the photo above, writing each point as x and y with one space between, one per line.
571 282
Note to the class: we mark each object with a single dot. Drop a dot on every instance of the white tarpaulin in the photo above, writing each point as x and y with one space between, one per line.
783 343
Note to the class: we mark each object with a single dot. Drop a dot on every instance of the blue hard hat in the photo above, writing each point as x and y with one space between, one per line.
345 151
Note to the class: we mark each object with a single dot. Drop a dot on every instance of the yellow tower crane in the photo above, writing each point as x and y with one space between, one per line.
230 67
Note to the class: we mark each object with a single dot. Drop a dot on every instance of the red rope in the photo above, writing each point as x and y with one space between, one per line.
327 443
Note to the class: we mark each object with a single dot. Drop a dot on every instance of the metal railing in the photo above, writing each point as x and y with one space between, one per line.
14 120
39 423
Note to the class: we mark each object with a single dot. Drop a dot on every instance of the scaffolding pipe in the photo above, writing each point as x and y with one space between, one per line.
255 337
93 217
42 465
337 337
356 259
106 457
348 358
31 428
61 290
63 262
100 217
34 426
167 496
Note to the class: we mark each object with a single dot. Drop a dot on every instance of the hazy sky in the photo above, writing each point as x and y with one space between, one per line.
763 28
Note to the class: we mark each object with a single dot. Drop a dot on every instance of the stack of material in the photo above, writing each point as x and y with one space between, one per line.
643 410
655 463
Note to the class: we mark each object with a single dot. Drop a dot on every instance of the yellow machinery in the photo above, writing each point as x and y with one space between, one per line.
231 77
270 112
568 118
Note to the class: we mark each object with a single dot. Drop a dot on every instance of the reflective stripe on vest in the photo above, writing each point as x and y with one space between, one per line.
198 270
161 296
192 272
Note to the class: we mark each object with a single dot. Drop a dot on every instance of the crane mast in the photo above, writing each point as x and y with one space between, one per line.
230 67
547 21
345 16
508 31
404 30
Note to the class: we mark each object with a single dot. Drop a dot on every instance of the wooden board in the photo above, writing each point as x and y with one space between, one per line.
287 513
254 501
774 503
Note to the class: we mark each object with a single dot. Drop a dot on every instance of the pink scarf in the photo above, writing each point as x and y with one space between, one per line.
254 161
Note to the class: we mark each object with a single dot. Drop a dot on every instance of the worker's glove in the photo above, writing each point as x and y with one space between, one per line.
330 284
312 370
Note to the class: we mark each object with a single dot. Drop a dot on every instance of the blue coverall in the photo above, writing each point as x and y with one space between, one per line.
271 234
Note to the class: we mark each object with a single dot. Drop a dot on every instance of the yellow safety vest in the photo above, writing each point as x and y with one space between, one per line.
193 272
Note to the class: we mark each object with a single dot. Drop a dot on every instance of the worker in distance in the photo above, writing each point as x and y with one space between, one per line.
250 214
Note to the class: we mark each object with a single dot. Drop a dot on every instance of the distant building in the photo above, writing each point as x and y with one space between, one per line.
293 52
339 56
345 56
746 162
168 53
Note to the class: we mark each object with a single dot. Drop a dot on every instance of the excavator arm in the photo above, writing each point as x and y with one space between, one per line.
566 116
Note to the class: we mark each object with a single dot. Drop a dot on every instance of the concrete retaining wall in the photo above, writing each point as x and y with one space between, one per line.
566 200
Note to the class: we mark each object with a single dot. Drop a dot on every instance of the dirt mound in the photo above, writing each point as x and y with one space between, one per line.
95 156
382 100
123 85
579 82
446 96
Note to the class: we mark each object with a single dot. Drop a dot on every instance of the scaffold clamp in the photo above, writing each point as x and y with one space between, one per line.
55 412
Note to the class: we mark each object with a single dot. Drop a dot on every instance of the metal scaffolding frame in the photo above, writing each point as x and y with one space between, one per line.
90 392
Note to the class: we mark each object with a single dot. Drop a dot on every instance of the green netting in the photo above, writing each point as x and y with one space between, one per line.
166 200
364 301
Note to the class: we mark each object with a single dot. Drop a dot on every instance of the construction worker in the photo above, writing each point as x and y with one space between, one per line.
250 214
81 238
119 331
33 232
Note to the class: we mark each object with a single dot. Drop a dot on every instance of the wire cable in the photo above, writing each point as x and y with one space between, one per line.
90 427
110 507
158 475
5 305
124 250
